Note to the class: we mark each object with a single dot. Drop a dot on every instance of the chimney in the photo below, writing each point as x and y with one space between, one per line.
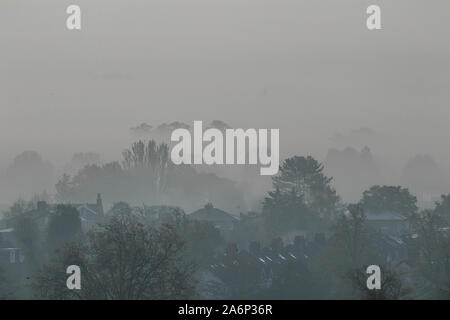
255 248
299 242
277 244
232 251
99 204
209 206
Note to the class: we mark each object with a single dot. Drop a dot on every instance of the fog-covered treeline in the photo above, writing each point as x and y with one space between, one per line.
166 234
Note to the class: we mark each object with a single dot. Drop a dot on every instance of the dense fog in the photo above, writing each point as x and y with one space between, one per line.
371 107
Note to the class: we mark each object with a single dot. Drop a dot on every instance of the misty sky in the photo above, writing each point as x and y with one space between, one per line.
310 68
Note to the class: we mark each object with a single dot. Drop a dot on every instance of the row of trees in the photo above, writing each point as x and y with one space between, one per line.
146 175
303 196
132 255
303 199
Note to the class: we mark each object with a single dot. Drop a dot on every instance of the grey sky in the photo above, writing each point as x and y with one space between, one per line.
310 68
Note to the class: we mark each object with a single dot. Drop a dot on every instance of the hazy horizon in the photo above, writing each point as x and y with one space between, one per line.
309 68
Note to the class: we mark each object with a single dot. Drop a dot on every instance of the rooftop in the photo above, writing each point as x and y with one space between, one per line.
209 213
386 215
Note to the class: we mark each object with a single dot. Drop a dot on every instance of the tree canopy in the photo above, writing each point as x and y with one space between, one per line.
379 199
122 259
304 177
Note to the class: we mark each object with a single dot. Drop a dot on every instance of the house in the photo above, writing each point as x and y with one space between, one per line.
162 214
219 218
387 222
394 247
90 210
90 213
9 253
11 256
7 237
259 266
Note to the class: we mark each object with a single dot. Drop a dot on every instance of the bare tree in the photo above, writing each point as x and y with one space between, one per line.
392 287
151 157
122 259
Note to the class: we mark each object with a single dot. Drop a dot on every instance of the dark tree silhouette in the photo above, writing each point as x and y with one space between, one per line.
432 245
389 198
122 259
443 207
64 226
18 208
285 212
392 287
4 292
28 238
304 176
149 156
352 239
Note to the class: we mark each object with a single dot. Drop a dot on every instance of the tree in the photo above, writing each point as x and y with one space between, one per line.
392 287
136 156
110 178
352 239
22 206
63 188
443 207
432 246
304 175
284 212
28 173
389 198
292 281
122 259
151 157
64 227
18 208
146 174
201 239
351 248
27 236
121 208
5 290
